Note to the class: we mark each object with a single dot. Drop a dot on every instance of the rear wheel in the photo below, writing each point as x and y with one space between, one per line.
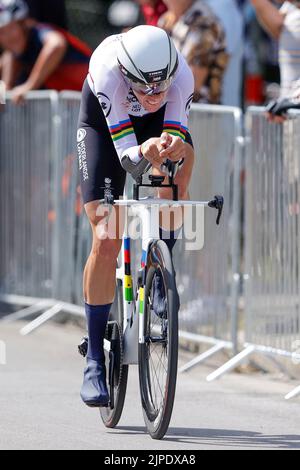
117 371
158 356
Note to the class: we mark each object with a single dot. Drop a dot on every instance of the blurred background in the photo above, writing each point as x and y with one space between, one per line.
93 20
253 53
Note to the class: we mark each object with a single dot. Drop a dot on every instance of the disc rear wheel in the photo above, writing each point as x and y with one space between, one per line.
117 372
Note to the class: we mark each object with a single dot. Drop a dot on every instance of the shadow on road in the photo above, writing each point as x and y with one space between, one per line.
221 437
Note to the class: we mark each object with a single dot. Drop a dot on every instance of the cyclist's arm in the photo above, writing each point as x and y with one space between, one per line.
51 56
269 16
111 92
10 69
49 59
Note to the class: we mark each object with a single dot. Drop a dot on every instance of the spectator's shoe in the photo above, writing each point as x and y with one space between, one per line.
159 301
94 391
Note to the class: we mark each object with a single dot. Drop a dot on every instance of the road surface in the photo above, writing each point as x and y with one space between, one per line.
40 406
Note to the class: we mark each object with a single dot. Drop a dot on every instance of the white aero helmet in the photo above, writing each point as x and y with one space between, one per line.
12 10
148 58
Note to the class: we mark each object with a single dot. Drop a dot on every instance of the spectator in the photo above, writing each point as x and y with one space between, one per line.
283 24
37 55
152 10
48 11
123 15
200 37
231 18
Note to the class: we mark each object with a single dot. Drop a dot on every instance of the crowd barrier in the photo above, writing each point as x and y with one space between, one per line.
45 236
271 240
208 280
27 162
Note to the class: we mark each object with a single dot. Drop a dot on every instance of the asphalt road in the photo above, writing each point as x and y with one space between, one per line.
40 406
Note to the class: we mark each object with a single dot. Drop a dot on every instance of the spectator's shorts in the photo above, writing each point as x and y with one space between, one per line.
99 164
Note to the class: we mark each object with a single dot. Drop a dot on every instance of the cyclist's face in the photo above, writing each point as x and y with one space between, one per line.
151 103
13 37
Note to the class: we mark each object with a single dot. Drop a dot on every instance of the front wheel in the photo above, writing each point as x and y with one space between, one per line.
158 356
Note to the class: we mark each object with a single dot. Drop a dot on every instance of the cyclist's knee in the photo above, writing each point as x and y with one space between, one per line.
96 213
106 249
107 236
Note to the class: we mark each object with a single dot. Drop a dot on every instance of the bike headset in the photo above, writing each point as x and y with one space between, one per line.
148 59
12 10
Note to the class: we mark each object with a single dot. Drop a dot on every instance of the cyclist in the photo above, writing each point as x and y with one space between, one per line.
135 105
38 55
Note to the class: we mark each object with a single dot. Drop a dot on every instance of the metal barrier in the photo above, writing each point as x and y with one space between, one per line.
45 259
208 280
271 233
39 206
26 196
68 205
45 239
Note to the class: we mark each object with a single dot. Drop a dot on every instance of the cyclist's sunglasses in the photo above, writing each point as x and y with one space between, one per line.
152 88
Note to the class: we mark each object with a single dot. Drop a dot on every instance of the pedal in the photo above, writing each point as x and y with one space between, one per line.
83 346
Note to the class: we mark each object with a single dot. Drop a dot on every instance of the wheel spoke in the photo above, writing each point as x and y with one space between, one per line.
158 372
157 381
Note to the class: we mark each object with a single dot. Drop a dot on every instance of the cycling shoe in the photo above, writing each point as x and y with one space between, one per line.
94 391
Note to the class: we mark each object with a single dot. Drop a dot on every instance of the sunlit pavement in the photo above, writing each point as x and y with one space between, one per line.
40 406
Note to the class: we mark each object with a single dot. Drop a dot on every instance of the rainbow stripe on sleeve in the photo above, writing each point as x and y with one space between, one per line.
121 130
175 128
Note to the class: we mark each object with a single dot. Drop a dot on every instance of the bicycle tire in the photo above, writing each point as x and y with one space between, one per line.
157 420
109 416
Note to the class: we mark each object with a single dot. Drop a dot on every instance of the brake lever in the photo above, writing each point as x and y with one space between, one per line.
218 204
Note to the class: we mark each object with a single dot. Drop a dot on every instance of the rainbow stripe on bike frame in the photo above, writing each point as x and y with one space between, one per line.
128 285
142 289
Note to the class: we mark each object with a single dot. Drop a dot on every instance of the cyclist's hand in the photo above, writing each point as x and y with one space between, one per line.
19 93
151 150
175 148
276 111
275 119
166 140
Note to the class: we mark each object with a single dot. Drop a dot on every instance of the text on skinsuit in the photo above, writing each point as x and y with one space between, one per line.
82 160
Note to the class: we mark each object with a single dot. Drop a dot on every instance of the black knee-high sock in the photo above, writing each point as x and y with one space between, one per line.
97 317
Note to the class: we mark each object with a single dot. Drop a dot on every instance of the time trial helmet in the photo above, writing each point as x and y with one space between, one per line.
12 10
148 58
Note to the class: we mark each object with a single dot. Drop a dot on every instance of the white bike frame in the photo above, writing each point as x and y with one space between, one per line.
148 211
